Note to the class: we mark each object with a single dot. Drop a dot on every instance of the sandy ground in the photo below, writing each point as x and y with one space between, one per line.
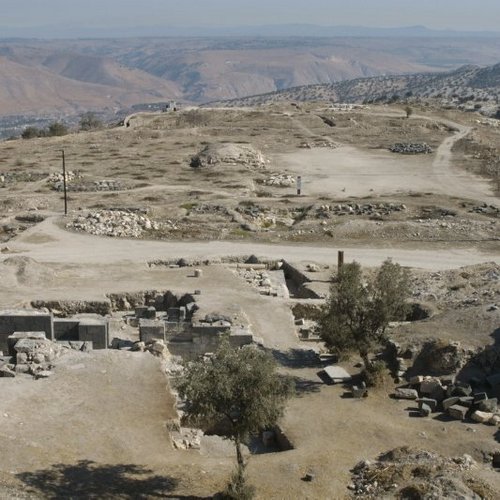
46 242
351 171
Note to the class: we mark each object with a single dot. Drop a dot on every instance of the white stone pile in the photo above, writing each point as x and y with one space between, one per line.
280 180
117 223
57 178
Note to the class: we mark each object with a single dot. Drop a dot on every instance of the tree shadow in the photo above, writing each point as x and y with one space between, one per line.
90 481
297 358
306 386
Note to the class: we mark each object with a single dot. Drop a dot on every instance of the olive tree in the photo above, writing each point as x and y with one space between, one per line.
358 310
238 388
89 121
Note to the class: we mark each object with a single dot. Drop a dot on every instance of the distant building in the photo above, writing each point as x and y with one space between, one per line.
170 106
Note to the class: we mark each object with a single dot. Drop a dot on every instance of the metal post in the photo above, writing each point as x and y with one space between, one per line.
64 183
340 261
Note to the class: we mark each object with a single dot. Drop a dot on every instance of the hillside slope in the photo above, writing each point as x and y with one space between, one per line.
467 84
37 82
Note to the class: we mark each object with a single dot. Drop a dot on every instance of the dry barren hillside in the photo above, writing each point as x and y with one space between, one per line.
468 84
37 81
62 75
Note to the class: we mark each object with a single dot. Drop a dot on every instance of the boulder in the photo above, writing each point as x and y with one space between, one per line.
495 420
403 393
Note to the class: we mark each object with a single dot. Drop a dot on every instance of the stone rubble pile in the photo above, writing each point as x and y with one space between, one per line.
57 178
186 438
117 223
12 177
457 399
318 144
259 280
229 154
486 209
411 149
394 475
91 186
370 209
279 180
34 355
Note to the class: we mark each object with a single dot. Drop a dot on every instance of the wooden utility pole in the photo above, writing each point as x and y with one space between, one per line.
64 183
340 259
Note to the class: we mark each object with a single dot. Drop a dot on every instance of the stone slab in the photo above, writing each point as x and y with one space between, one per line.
337 374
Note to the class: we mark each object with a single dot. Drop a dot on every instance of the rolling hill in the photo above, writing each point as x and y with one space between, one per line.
468 84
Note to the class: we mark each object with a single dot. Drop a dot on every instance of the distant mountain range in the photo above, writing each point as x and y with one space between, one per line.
68 77
274 30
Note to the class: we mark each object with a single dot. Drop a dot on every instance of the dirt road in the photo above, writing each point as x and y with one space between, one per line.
47 242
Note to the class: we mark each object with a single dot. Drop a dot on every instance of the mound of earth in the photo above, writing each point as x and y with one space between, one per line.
228 154
406 473
24 271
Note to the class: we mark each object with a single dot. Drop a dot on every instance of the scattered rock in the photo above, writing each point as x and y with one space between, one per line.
411 148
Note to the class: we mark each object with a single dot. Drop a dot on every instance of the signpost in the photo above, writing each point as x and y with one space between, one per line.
299 185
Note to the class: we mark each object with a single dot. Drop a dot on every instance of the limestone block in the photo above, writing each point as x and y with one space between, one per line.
457 411
481 417
402 393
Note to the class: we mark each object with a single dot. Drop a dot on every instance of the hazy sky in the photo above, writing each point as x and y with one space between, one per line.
454 14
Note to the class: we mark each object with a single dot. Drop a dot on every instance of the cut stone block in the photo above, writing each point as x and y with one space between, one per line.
481 417
461 390
480 396
425 410
337 374
428 386
359 392
402 393
488 405
450 402
466 401
457 411
431 403
416 380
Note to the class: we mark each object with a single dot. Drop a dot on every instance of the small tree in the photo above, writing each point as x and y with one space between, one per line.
31 133
408 111
89 121
236 387
57 129
357 313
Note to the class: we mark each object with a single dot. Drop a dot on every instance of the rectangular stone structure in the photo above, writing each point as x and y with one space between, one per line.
150 329
95 331
66 329
24 321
